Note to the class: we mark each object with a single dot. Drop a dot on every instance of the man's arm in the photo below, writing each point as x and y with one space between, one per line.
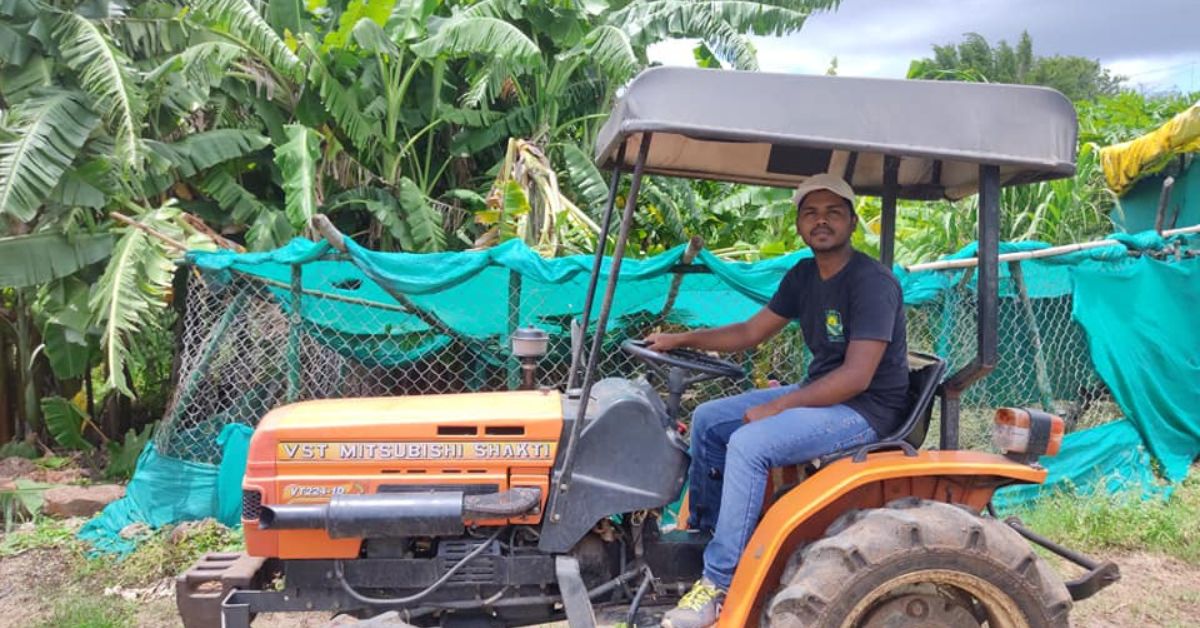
837 386
728 338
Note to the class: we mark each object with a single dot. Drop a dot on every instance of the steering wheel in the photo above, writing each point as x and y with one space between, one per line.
693 361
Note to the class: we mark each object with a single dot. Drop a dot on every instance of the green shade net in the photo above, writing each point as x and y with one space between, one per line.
1132 319
1141 322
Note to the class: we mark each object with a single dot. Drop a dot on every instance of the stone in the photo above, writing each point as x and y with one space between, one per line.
80 501
134 530
16 466
390 619
58 476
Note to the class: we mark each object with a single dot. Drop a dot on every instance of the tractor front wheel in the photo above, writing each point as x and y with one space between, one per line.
918 563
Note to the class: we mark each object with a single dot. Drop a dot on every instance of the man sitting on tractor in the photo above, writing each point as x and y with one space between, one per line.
851 313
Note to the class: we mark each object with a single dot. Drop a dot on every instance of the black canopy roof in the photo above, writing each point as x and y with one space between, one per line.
778 129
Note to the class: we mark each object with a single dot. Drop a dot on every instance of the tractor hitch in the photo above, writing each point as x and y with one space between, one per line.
1098 576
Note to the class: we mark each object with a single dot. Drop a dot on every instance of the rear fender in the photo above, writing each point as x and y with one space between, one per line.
804 513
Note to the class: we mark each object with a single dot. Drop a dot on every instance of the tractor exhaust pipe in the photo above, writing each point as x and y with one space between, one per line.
398 515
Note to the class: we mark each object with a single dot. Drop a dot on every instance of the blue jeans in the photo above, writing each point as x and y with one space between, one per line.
727 454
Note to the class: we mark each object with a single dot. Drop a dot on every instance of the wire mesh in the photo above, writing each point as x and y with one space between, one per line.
247 348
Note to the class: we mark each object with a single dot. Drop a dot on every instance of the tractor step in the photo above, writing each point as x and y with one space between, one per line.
200 590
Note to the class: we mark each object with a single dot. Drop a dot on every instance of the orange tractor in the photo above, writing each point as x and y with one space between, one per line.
522 507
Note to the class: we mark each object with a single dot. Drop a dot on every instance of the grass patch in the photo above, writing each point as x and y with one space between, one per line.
165 554
87 610
162 554
1124 522
44 533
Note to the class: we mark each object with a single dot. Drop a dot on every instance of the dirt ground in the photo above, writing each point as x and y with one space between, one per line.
1154 590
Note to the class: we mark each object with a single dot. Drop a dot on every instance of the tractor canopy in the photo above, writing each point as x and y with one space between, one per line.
778 129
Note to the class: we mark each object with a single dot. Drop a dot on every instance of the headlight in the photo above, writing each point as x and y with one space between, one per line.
1024 434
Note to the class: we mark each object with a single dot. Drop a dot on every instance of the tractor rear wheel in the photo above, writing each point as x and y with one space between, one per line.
918 563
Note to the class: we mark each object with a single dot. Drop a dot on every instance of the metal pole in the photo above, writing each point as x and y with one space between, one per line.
514 320
988 278
887 232
1041 372
601 242
1164 198
293 343
564 481
987 300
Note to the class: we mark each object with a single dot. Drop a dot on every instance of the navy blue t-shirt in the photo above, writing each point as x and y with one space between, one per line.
861 302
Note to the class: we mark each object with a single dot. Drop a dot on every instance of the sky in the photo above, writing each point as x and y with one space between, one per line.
1155 43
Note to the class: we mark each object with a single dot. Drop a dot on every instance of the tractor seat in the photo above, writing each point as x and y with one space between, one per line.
925 374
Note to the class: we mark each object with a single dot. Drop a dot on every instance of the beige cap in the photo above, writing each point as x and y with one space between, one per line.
825 181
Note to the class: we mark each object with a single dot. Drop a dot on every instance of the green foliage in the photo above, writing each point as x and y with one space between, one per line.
107 75
66 423
240 22
53 462
589 184
288 16
422 223
47 134
132 289
230 196
1127 115
196 153
46 533
297 160
1105 522
123 454
23 500
18 448
610 49
31 260
164 553
722 26
343 106
377 11
70 341
974 59
484 36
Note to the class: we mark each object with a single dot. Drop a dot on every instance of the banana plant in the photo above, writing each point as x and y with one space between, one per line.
525 202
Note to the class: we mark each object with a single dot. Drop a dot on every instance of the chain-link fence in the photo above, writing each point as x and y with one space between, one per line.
251 343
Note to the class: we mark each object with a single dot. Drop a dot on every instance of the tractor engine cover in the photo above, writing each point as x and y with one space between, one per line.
323 475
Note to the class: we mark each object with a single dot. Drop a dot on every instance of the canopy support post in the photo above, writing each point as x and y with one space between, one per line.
987 302
887 232
562 483
601 243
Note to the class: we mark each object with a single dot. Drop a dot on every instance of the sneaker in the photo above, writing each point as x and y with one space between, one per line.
699 608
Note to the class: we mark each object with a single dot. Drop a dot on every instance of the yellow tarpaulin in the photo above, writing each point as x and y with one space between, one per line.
1125 163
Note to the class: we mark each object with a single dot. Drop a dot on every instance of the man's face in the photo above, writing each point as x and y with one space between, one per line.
825 221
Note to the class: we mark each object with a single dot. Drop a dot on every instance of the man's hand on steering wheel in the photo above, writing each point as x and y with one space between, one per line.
663 342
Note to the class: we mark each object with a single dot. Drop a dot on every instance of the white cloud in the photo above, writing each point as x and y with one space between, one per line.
1151 41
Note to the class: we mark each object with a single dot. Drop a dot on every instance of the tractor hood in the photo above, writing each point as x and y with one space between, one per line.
311 452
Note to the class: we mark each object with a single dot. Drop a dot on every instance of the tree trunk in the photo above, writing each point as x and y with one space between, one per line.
31 410
7 416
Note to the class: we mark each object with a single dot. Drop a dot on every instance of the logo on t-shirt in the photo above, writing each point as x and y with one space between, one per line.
833 326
